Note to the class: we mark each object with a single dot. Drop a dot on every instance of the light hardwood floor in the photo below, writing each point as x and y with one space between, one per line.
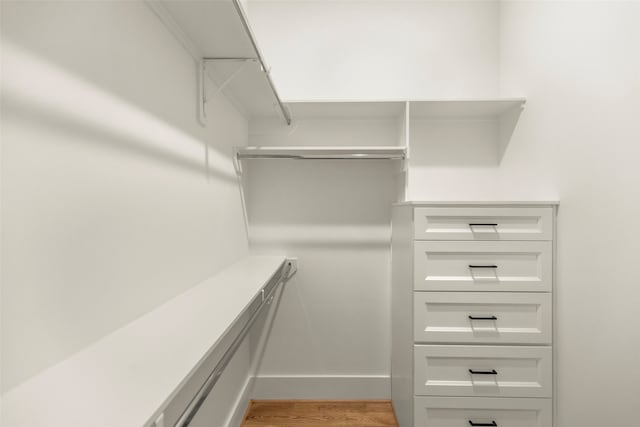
319 413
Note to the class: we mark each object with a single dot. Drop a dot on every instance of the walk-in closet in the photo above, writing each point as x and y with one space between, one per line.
320 213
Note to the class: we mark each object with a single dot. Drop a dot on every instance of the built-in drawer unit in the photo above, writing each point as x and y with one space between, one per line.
481 411
511 266
472 311
482 317
501 371
483 223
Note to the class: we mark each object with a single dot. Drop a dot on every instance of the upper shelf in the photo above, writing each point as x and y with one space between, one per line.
217 32
346 109
480 108
215 27
434 108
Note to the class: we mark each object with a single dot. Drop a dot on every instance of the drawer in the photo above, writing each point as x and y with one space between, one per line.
483 223
482 317
500 371
478 411
483 266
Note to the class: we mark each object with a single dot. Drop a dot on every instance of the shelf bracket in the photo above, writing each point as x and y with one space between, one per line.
202 78
202 81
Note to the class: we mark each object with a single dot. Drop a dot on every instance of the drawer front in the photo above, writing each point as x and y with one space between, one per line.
483 266
499 371
482 317
483 223
465 412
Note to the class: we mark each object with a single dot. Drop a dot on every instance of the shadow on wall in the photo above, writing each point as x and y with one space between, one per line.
333 324
41 93
96 41
99 127
507 125
462 142
321 202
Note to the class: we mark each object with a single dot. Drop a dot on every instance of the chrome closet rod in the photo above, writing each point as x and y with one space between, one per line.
201 396
247 29
230 58
320 157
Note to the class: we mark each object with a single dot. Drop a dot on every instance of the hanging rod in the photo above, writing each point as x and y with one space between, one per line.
229 58
263 65
201 396
322 153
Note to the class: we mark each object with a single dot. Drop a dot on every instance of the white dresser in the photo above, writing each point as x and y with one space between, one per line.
472 314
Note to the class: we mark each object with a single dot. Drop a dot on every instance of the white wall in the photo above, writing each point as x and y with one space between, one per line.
577 63
330 338
110 203
334 317
379 49
576 140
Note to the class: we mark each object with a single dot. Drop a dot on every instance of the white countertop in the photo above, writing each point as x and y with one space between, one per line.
123 379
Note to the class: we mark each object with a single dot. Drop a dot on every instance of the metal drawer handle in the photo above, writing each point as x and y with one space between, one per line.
491 424
482 225
491 372
483 266
483 318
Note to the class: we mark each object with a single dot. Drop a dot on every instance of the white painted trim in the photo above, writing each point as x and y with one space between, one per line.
554 318
478 202
236 416
322 387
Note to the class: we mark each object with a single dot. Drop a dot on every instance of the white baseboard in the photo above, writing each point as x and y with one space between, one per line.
242 403
321 387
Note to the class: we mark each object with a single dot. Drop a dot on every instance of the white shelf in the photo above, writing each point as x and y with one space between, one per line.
464 108
433 108
462 132
213 26
127 377
321 153
346 109
477 203
218 31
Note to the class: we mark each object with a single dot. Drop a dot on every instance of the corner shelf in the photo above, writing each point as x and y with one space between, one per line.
464 132
381 109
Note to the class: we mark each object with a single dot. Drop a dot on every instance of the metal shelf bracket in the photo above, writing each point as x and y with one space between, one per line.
202 80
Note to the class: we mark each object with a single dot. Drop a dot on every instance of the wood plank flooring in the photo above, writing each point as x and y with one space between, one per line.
320 413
